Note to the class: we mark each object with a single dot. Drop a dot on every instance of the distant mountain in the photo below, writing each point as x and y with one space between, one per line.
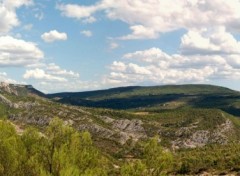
126 92
156 98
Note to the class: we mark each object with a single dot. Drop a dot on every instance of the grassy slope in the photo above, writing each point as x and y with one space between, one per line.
126 92
157 98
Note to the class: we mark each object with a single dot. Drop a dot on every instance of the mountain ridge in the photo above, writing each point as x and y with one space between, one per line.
156 98
129 88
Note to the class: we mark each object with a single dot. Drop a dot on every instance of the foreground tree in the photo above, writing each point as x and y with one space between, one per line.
156 161
69 152
12 151
61 151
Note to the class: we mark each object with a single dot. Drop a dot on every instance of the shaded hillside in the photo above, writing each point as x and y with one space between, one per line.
126 92
156 98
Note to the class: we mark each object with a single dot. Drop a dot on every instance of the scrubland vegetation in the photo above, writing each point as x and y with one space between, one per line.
62 151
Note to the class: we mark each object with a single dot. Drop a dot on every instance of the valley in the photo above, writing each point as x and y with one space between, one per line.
186 120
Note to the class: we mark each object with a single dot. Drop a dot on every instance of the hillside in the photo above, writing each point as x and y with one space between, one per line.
137 91
156 98
170 119
184 118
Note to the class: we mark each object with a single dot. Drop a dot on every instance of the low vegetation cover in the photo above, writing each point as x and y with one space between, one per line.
62 151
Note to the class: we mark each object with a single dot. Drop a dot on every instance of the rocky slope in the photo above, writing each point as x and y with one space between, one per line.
29 109
177 128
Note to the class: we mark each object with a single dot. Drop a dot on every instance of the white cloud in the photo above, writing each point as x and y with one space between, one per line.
140 32
51 73
151 55
118 66
8 16
87 33
129 68
90 20
17 52
40 74
211 41
78 11
148 19
8 19
53 35
156 75
156 67
17 4
113 45
54 69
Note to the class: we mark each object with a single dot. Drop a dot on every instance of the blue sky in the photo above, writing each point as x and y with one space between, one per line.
95 44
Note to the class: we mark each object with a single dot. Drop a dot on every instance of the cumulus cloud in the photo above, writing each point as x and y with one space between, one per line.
140 32
148 19
87 33
17 52
8 16
53 35
151 55
50 73
130 68
157 67
212 41
63 80
77 11
40 74
54 69
17 4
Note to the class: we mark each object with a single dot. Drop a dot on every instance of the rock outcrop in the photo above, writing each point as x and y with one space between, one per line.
200 138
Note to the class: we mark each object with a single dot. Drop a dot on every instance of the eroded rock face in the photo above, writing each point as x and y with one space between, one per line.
5 101
130 129
27 105
106 119
119 130
6 87
34 120
24 105
200 138
96 130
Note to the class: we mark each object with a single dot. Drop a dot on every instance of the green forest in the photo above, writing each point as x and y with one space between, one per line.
60 150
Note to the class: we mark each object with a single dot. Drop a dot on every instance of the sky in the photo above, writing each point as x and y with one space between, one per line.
79 45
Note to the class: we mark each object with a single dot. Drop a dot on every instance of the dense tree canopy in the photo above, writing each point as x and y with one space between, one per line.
61 151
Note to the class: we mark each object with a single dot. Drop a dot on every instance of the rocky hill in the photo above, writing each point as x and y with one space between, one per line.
19 90
177 124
